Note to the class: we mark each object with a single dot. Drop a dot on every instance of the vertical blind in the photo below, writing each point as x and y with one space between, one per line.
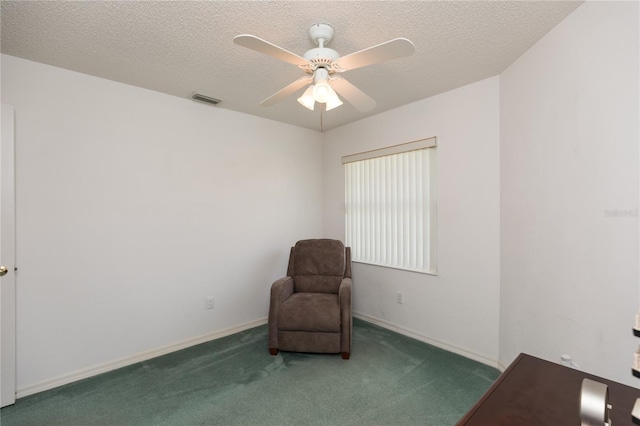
390 206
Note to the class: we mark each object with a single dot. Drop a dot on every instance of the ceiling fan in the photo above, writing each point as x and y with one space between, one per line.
322 64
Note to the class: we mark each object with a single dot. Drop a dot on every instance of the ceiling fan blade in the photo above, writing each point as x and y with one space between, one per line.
392 49
286 91
270 49
352 94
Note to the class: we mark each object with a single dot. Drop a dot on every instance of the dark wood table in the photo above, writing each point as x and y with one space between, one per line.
536 392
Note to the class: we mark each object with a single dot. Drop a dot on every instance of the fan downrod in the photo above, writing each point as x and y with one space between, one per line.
321 56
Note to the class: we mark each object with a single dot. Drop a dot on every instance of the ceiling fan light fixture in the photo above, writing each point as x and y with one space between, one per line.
307 100
333 101
322 91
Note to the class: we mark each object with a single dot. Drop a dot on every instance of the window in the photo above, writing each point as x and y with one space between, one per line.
390 206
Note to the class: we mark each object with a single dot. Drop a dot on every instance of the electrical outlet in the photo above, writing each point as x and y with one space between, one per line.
399 297
210 302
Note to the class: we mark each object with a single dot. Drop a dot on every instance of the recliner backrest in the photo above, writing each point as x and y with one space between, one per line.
318 266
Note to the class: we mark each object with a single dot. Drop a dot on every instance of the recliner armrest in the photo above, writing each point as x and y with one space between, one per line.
281 289
344 292
346 319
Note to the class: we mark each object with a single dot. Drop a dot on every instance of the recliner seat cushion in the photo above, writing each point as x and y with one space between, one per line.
310 312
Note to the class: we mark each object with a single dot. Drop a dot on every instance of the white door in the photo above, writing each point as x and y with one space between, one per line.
7 260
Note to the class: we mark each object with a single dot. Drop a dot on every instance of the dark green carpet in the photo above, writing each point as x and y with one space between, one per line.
389 380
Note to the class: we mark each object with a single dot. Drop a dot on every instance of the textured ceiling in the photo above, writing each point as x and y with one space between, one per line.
180 47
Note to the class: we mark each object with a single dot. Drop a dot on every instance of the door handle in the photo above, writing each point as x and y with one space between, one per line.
3 271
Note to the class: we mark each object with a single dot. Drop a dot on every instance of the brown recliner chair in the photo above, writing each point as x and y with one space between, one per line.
310 308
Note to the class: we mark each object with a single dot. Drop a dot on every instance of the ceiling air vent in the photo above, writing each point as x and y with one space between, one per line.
206 99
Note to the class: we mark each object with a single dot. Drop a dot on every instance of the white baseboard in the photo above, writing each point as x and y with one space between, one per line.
442 345
123 362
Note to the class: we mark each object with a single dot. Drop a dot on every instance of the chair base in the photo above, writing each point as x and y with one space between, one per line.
345 355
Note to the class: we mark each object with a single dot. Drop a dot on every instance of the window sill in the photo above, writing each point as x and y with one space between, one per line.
417 271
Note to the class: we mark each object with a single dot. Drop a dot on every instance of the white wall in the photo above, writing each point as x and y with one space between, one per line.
569 153
133 206
458 309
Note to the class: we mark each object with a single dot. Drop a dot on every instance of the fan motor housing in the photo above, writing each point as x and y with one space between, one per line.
321 54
